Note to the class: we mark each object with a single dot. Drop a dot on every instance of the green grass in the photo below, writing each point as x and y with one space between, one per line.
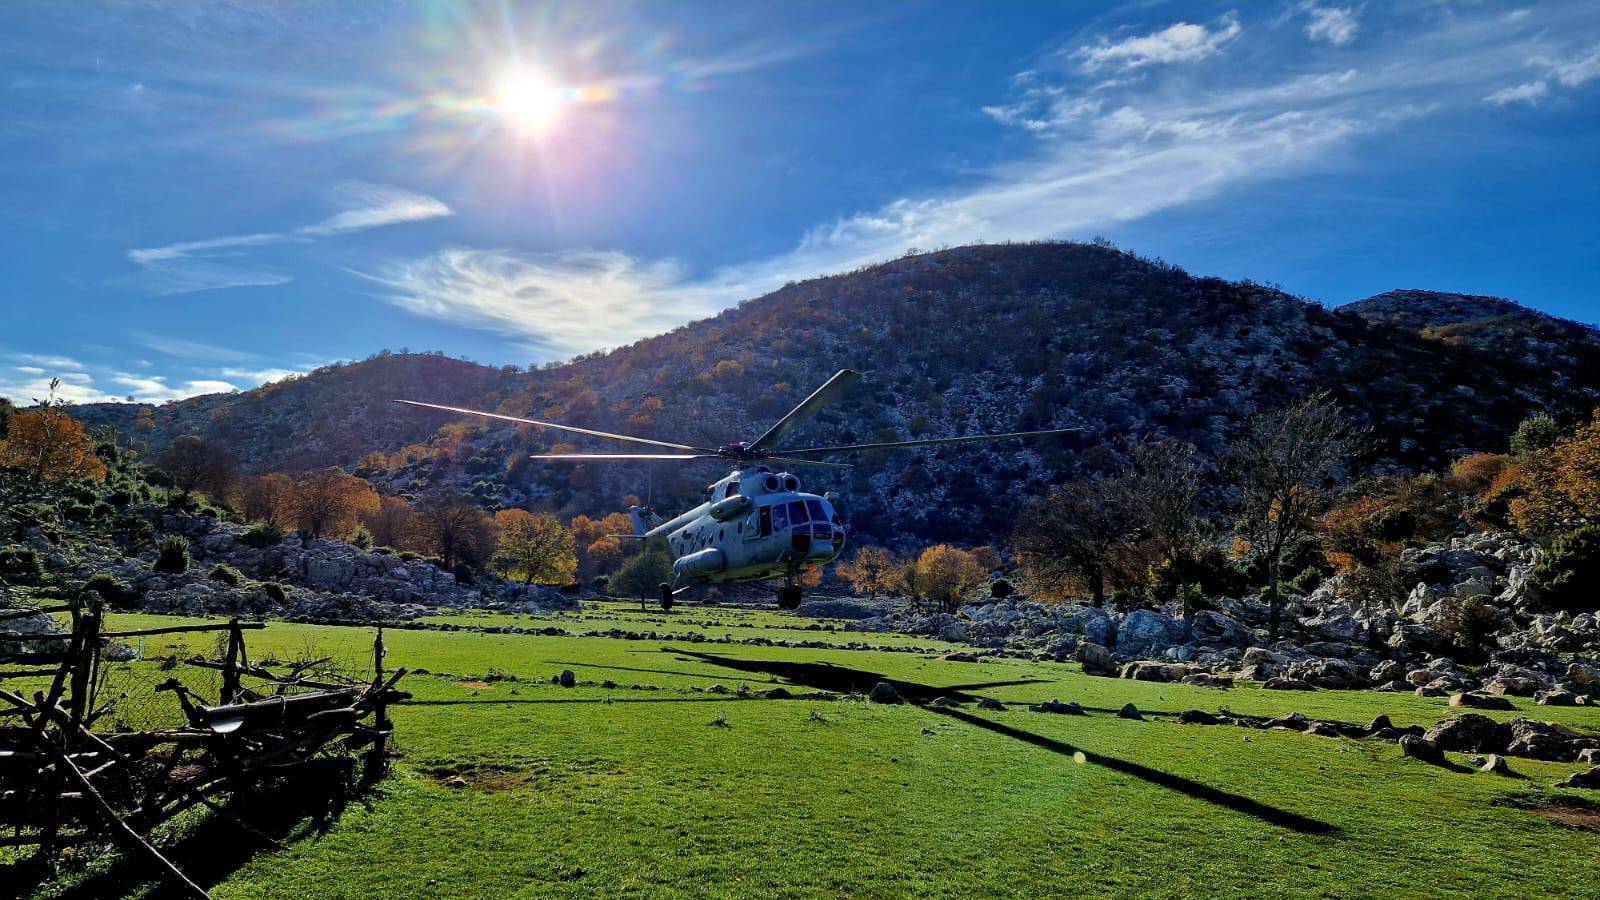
628 792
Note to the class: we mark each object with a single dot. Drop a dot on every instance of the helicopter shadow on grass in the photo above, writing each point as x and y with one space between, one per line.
828 677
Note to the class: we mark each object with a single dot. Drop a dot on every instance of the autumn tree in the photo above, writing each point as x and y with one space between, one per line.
450 526
535 547
50 445
944 576
194 463
1074 537
263 498
1561 484
328 503
1285 467
873 571
389 522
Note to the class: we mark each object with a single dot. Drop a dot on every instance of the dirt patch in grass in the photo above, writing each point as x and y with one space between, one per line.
1568 812
475 685
482 776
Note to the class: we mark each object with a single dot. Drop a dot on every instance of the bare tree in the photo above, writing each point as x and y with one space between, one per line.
194 463
451 526
1163 488
1075 536
390 522
1285 467
329 502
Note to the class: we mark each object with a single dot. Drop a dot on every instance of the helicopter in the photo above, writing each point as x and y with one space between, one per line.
755 525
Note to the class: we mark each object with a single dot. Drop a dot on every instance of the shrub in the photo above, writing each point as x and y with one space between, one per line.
275 591
1001 588
1568 572
1307 581
21 565
226 574
262 536
641 575
1469 623
172 554
362 538
113 591
120 497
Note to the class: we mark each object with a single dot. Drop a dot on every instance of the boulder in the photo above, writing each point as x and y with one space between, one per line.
1293 721
1097 660
1556 697
1154 671
1282 683
1323 729
566 678
1433 690
1548 741
883 692
1336 627
1215 629
1495 764
990 703
1207 679
777 693
1583 674
1419 748
1470 733
1198 717
1129 711
1589 756
1386 671
1260 664
1146 632
1589 780
1514 685
946 702
1476 700
1072 708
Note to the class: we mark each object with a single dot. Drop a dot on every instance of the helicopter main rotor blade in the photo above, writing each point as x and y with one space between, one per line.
573 428
581 457
928 442
822 396
805 462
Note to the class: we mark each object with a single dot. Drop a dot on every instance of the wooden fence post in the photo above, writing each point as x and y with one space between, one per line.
378 760
230 671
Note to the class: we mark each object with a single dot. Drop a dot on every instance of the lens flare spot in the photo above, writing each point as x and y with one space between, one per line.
529 101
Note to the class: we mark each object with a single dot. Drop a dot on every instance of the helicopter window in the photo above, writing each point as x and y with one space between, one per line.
797 511
733 489
780 517
818 514
766 520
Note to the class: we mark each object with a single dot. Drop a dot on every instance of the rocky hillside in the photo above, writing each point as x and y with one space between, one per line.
998 338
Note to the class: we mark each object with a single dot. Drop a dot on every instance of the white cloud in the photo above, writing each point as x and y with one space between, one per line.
155 389
1577 70
1335 25
561 303
49 362
1180 42
212 264
29 370
1531 92
250 378
375 205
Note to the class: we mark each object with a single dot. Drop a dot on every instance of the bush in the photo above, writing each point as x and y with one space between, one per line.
362 538
1469 623
1001 588
262 536
1307 581
120 497
111 590
226 574
275 591
1568 572
21 565
641 575
172 554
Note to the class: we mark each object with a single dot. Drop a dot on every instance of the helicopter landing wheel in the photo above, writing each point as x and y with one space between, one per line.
666 596
789 597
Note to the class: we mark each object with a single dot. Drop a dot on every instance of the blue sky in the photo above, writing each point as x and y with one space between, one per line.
202 196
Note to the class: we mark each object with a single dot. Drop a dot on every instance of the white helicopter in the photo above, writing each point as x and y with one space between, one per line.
755 525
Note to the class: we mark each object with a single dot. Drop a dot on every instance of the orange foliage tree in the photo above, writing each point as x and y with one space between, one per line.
944 576
50 445
328 503
535 547
1561 485
263 498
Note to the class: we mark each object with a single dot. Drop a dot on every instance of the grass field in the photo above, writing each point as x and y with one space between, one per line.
668 789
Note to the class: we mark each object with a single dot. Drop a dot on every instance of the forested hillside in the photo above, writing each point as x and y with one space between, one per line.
996 337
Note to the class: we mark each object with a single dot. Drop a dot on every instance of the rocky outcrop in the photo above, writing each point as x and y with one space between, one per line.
31 624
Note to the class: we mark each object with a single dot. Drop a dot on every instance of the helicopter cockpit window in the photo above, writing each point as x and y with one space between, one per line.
780 517
797 511
818 514
766 520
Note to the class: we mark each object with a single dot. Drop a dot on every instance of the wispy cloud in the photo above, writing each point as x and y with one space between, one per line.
190 351
1179 42
215 263
1335 25
1572 70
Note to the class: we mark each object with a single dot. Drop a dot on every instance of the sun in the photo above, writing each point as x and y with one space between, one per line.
529 101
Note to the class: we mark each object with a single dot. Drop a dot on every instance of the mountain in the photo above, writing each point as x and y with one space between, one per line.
1546 345
983 338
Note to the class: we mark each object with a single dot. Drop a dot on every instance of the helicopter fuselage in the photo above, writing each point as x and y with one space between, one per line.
755 525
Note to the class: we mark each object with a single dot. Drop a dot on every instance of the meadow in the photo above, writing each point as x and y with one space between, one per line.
654 776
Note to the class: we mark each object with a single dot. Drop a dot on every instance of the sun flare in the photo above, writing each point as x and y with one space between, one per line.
528 100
